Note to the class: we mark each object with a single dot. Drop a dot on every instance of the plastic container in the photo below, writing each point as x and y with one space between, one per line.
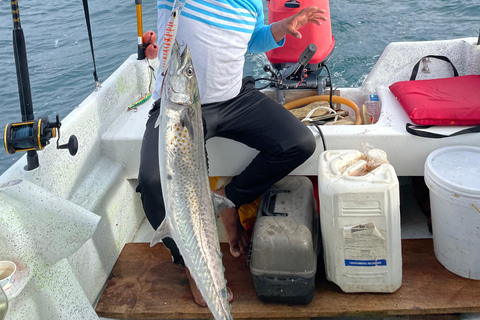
372 102
360 222
283 257
321 36
7 274
452 175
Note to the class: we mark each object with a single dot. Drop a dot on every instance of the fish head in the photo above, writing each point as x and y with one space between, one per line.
180 82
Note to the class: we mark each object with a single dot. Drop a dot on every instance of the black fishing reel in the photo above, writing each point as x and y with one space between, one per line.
36 135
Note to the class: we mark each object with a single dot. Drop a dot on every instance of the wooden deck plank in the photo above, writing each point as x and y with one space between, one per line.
145 284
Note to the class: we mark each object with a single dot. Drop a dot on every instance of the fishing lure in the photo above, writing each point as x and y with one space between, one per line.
170 33
139 102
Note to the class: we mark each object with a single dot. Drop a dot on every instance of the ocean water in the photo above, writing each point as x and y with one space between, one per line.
61 68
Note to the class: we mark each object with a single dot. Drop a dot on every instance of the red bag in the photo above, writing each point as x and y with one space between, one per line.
447 102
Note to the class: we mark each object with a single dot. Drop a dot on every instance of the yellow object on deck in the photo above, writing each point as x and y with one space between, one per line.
247 212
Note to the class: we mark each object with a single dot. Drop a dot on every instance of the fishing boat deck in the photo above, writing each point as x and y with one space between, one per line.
145 284
63 270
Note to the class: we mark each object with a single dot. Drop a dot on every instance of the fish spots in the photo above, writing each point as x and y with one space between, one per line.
189 205
224 293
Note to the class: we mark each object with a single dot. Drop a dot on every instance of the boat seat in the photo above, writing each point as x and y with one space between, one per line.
122 144
406 152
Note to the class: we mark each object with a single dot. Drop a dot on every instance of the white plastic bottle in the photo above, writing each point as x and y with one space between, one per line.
372 102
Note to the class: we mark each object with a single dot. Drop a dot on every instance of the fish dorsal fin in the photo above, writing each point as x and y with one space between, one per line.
220 203
162 232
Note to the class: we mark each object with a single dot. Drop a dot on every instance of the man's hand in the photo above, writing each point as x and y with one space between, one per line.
291 24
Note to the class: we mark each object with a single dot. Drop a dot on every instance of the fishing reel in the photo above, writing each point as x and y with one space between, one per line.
36 135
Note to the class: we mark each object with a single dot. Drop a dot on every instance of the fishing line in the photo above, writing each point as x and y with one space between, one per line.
148 96
153 76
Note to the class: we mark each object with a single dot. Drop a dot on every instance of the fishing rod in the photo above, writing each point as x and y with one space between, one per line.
90 39
141 48
147 48
31 134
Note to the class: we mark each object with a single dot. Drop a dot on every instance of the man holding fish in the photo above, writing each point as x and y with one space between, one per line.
219 33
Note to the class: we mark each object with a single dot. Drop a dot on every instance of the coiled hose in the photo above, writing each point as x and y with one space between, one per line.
335 99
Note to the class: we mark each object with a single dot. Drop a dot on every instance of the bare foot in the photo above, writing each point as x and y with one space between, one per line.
197 296
236 235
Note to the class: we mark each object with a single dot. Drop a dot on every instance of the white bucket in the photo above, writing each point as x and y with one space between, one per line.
453 176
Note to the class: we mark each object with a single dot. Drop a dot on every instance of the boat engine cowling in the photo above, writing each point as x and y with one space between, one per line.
299 62
321 36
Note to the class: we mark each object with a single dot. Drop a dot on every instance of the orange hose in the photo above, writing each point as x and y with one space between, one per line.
336 99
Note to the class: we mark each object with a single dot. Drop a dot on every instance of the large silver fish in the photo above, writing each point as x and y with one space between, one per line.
190 204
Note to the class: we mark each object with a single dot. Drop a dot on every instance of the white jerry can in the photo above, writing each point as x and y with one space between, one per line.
360 222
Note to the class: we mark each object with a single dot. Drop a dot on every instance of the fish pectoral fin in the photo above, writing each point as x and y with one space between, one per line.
186 122
162 232
220 203
159 121
160 114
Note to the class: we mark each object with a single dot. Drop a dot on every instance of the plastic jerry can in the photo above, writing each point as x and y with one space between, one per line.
360 222
284 247
321 36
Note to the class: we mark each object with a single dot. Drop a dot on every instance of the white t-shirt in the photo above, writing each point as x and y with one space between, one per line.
218 33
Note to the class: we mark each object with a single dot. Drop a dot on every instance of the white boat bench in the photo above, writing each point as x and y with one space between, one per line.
406 152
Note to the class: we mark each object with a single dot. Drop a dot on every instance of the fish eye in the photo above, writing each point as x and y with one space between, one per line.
189 72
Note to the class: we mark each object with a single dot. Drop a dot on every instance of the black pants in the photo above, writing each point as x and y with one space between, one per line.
251 118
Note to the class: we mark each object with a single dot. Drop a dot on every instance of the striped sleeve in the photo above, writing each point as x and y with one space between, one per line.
262 39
